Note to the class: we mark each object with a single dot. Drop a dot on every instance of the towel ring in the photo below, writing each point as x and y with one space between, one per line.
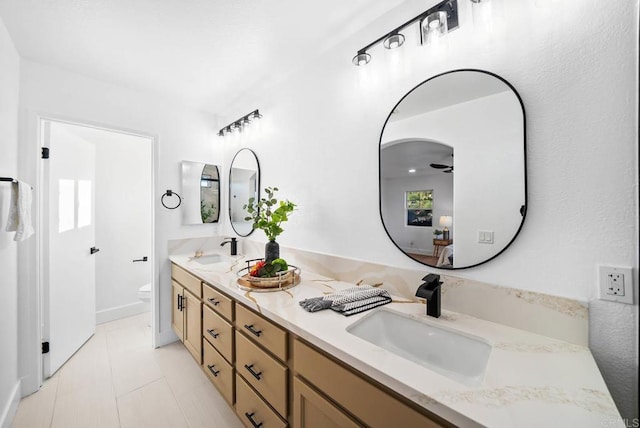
170 193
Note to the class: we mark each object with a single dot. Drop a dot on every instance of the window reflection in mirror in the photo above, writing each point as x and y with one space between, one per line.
477 199
200 193
244 183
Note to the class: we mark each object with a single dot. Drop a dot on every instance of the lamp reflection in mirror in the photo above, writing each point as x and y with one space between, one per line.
446 221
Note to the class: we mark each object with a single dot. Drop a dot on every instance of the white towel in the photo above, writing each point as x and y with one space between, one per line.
20 211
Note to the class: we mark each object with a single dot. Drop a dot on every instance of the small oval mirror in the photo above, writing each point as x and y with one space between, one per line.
244 183
200 193
452 169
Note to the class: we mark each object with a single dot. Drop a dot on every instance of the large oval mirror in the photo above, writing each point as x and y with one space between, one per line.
200 193
453 169
244 183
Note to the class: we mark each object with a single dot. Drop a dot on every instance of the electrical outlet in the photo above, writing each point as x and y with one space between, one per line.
616 284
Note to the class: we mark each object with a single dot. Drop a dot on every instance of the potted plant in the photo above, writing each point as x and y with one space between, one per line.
437 233
268 214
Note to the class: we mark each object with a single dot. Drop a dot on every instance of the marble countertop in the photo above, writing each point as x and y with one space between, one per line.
530 380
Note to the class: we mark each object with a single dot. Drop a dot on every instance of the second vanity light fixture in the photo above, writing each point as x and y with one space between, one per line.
240 123
434 23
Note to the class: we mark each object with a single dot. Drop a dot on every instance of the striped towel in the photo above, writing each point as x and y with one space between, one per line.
348 301
362 305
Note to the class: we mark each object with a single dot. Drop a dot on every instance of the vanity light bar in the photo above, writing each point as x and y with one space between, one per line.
240 123
394 39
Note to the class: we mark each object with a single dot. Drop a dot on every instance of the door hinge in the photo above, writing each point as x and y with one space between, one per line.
45 347
45 153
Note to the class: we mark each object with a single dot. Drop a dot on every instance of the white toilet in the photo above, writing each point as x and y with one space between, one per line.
144 293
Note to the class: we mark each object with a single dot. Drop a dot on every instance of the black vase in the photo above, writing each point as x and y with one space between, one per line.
271 251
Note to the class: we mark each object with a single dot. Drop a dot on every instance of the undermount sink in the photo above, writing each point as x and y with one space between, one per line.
209 260
457 355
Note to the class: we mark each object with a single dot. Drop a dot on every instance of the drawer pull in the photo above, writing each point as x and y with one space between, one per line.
253 330
254 374
214 302
253 423
213 370
213 333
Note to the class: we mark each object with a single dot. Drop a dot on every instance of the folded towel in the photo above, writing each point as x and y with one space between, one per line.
362 305
344 297
20 211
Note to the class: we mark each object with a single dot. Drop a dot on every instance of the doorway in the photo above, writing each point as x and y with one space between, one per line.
105 197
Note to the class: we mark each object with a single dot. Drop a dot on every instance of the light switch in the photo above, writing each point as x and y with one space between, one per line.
485 237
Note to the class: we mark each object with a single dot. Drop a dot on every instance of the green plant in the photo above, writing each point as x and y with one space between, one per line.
269 213
437 232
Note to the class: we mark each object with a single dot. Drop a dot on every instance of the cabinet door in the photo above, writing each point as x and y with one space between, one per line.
193 325
311 410
177 316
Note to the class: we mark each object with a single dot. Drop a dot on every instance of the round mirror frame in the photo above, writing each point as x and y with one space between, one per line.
523 209
257 186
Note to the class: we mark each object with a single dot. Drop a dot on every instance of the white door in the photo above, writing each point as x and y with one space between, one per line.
69 306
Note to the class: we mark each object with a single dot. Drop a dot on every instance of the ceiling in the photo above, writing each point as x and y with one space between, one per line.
397 158
205 52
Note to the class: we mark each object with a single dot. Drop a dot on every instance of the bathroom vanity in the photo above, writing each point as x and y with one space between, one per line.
278 365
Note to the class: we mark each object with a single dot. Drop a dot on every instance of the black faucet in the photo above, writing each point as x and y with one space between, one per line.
234 245
430 290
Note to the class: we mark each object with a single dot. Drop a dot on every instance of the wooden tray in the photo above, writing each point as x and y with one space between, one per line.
282 281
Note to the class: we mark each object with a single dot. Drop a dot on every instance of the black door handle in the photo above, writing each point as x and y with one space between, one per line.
144 259
94 250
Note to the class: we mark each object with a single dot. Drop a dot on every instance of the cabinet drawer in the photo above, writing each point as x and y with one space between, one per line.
218 332
252 410
264 332
263 372
367 402
218 301
219 371
187 280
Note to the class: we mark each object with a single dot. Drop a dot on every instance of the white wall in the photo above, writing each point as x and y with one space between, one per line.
181 133
9 88
416 239
318 143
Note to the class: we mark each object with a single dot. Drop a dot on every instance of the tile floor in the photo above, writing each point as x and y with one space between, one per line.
117 380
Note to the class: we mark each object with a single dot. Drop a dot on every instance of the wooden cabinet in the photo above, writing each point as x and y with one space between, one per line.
312 410
186 312
177 317
218 332
263 372
219 371
192 333
274 379
217 301
270 336
252 410
366 401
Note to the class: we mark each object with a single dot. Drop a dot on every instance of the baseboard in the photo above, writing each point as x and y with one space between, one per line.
420 251
165 337
11 407
124 311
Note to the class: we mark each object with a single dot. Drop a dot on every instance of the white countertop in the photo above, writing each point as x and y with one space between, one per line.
530 380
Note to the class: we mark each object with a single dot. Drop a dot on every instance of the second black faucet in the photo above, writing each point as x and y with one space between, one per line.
234 245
